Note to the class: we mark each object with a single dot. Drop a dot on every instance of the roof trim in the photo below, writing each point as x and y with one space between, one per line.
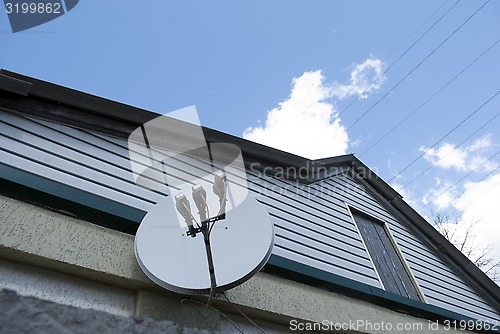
68 106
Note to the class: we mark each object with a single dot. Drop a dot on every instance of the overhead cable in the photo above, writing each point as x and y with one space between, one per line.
429 99
422 24
404 53
443 137
409 73
460 180
472 187
454 148
394 62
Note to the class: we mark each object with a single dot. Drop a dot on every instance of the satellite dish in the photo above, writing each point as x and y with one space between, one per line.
241 245
207 235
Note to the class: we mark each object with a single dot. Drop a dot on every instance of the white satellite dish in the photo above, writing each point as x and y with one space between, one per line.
241 244
204 183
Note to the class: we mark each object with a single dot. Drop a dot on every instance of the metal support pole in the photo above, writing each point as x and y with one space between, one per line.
211 269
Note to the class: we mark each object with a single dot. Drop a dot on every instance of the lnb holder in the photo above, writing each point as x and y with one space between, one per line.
193 231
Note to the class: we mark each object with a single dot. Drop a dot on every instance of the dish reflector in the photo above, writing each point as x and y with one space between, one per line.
241 245
230 237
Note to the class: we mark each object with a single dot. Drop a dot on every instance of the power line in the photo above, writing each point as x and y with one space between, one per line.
460 180
430 98
446 135
213 308
400 56
397 59
488 214
454 148
475 199
243 314
409 73
420 26
480 180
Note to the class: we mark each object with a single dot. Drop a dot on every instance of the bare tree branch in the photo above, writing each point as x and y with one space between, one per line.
482 257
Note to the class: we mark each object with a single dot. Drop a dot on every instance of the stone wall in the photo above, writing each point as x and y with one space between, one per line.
19 315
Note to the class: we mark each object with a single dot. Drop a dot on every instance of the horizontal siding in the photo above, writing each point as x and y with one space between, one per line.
77 170
312 223
66 159
459 297
317 231
300 257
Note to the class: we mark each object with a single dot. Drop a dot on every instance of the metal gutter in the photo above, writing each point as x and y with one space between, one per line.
14 85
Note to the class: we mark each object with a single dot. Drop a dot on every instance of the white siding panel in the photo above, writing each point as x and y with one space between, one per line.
314 249
316 232
71 180
296 209
71 160
78 142
86 136
296 256
340 256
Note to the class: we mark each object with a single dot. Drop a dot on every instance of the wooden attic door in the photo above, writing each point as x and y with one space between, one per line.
392 271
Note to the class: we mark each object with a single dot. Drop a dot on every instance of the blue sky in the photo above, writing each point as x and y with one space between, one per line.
279 71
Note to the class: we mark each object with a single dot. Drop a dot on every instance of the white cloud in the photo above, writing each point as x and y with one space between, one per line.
476 206
306 122
446 156
302 122
481 143
405 193
365 78
441 196
480 202
468 158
